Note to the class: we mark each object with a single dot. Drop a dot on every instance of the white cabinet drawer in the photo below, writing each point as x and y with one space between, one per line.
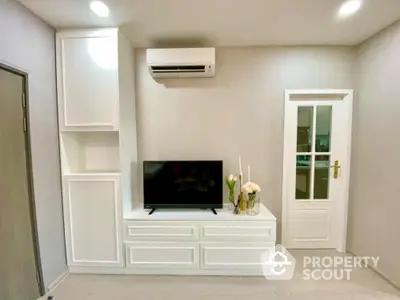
162 255
234 255
155 231
239 231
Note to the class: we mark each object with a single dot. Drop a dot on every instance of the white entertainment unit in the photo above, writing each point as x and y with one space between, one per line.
106 229
197 242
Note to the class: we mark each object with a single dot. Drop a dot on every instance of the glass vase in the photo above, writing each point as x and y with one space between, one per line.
231 199
253 204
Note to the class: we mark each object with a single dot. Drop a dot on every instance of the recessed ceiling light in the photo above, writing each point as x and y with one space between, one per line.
349 7
99 8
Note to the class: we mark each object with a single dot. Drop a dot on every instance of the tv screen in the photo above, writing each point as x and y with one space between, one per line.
182 184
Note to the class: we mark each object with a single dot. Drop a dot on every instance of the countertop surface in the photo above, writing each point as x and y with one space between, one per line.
224 214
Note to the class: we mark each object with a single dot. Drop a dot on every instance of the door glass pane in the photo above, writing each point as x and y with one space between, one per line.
321 176
323 128
304 128
303 176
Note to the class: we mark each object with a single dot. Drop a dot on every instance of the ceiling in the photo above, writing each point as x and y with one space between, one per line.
225 22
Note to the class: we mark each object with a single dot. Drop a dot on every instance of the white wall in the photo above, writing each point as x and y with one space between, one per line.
240 111
374 187
27 43
128 132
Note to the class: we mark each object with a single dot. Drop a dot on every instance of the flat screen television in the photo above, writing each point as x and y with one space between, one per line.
182 184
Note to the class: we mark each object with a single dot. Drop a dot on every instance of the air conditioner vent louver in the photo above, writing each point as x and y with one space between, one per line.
167 69
186 62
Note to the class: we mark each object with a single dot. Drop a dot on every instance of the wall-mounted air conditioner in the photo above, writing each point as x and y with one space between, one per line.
181 62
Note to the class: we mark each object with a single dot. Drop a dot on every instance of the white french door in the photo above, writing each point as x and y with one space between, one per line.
316 168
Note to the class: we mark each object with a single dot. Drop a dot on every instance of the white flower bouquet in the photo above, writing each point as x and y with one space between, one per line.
251 190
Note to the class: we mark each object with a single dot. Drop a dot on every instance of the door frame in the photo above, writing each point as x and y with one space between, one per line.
29 168
346 95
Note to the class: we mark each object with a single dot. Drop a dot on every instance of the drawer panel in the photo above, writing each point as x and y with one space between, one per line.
239 231
162 255
155 231
234 255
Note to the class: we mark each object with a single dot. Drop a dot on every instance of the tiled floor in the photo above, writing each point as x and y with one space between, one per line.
364 285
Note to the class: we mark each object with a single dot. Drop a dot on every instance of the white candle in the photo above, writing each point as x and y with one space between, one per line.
248 171
240 165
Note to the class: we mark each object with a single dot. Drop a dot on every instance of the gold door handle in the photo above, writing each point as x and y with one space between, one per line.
335 167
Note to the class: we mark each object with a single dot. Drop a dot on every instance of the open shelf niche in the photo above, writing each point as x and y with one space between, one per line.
90 152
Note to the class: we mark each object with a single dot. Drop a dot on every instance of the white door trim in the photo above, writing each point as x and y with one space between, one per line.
345 94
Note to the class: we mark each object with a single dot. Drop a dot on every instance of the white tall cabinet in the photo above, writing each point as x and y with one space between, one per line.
98 151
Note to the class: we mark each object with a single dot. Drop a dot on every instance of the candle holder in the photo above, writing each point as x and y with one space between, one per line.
240 205
236 209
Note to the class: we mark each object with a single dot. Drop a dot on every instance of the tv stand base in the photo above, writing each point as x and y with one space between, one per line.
187 242
153 209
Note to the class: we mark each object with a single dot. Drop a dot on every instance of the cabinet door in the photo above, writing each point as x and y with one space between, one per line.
93 215
87 70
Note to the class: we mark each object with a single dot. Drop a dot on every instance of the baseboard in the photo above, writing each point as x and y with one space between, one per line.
57 281
160 271
376 271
